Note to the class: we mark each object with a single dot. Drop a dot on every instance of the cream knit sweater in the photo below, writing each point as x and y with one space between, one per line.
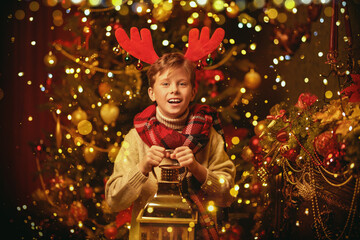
127 185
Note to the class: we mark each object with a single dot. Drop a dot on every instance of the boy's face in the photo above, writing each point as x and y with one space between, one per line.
172 92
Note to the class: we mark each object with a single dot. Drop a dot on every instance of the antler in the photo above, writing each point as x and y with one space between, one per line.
139 45
201 47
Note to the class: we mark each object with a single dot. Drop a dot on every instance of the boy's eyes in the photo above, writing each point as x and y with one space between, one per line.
181 84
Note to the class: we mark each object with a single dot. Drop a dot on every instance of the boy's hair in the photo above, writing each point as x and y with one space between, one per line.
169 61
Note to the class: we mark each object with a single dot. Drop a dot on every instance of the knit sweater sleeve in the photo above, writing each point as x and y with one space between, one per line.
125 184
220 172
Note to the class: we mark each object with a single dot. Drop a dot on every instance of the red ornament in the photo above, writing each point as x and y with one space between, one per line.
254 144
332 161
88 192
258 161
305 100
199 65
139 66
325 143
268 160
282 136
291 154
255 188
38 148
209 76
353 91
110 232
123 217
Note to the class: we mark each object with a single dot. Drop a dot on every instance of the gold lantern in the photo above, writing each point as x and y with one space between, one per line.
168 216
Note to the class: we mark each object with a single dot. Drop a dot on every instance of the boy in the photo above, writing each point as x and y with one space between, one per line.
170 123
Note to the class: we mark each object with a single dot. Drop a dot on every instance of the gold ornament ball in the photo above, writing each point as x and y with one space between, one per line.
78 115
161 14
260 127
50 59
109 113
78 141
113 152
89 154
252 79
84 127
233 10
141 8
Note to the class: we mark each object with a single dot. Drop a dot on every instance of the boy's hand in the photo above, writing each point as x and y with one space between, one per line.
185 157
152 159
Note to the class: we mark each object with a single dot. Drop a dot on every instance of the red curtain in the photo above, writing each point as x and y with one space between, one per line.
21 99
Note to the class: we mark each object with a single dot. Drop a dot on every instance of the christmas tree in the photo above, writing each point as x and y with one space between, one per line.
95 89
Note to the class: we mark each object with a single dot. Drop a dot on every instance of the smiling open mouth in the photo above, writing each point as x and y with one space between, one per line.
174 100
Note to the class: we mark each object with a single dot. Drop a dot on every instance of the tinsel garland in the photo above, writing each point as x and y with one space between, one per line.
316 149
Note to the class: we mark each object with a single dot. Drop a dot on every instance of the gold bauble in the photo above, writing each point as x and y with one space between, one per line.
109 113
233 10
50 59
84 127
78 141
89 154
78 115
161 14
141 8
260 127
252 79
113 151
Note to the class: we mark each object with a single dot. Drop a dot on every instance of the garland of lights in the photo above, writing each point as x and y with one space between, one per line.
317 213
74 135
84 64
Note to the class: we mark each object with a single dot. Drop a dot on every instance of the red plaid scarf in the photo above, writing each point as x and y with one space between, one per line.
195 135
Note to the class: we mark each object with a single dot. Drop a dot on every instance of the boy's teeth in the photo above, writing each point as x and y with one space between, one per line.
174 101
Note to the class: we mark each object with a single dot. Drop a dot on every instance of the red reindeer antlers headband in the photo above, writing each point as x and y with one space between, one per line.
140 44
